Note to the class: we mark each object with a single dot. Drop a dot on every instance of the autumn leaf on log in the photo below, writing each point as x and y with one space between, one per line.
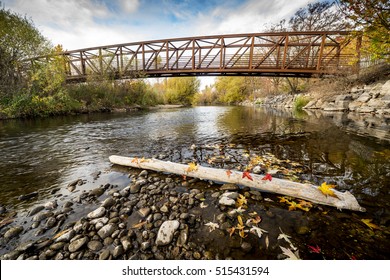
143 160
315 249
368 223
246 174
267 177
327 189
135 160
192 167
283 199
228 173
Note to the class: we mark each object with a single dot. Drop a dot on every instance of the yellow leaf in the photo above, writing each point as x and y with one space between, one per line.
242 233
143 160
283 199
368 223
240 222
293 206
135 160
327 189
192 167
241 200
61 233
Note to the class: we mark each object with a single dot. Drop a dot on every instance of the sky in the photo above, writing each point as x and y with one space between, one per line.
79 24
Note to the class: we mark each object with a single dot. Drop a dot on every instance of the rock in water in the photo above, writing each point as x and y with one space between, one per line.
166 232
13 232
99 212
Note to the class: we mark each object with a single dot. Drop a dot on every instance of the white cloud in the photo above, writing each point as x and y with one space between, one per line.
88 23
130 6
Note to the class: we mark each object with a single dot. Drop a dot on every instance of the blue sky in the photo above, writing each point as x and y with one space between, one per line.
87 23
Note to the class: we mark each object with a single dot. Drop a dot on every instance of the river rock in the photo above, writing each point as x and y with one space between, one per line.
40 217
50 222
99 212
183 237
107 230
66 236
95 245
144 212
77 244
118 251
12 232
36 210
229 187
104 255
51 205
28 196
226 200
96 192
166 232
108 202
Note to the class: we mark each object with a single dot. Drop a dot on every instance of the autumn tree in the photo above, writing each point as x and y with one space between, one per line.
373 18
180 90
19 40
232 90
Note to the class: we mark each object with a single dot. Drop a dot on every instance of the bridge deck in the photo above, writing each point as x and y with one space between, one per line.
297 54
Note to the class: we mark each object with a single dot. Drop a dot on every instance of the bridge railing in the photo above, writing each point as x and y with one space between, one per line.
301 54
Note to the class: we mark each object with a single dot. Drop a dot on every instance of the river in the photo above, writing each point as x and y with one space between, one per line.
43 156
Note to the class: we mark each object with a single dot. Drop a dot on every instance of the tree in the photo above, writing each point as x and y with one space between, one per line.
373 18
19 40
232 90
318 16
181 90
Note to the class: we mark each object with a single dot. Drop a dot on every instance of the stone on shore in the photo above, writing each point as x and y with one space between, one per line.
99 212
166 232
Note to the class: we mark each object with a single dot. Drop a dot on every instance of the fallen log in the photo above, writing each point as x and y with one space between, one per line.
343 200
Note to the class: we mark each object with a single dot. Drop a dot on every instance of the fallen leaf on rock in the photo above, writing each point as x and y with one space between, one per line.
368 223
241 201
61 233
203 205
327 189
246 174
212 226
293 205
139 225
290 254
231 231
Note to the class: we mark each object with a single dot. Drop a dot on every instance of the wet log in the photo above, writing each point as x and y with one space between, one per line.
309 192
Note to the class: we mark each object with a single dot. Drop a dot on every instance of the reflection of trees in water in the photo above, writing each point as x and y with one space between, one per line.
319 143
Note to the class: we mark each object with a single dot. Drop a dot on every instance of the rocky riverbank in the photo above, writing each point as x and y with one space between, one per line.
158 216
369 99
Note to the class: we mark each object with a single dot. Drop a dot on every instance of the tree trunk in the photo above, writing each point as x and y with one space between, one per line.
344 200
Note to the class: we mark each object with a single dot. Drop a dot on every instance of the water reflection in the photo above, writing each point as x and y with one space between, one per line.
349 150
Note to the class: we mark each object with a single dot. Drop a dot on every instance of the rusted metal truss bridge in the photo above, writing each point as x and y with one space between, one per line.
285 54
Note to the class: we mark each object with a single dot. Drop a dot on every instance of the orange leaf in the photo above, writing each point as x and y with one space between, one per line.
228 173
246 174
135 160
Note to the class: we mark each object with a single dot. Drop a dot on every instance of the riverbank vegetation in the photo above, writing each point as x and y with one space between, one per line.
43 91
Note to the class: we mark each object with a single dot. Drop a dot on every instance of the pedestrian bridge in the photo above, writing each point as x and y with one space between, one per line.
285 54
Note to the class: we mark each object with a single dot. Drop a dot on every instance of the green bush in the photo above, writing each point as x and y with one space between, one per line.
300 102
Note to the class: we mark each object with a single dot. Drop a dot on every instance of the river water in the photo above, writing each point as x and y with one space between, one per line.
45 155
